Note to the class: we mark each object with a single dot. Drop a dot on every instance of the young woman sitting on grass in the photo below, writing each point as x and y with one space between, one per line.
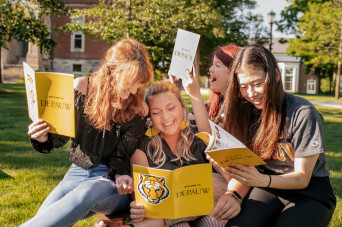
109 123
293 187
171 145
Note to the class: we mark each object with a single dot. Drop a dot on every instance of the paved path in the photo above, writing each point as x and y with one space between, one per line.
327 103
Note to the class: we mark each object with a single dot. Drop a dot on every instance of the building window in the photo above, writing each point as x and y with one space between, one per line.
77 41
311 87
289 75
77 68
77 37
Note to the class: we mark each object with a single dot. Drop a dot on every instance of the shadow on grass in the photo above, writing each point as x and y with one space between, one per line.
336 183
24 156
4 175
334 161
331 111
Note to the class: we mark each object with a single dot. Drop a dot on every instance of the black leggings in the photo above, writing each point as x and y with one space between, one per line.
287 208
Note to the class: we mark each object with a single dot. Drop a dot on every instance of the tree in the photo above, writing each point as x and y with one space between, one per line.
155 24
258 33
20 20
289 17
319 41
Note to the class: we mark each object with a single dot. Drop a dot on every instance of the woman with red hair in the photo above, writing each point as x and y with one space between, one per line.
219 71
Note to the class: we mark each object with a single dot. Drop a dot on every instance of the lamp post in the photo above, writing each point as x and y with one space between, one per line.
271 16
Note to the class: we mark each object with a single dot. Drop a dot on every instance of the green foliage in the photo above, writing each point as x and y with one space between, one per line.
155 23
318 40
291 14
325 85
319 29
258 32
21 20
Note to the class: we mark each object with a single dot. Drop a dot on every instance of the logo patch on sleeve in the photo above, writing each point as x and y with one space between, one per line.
315 143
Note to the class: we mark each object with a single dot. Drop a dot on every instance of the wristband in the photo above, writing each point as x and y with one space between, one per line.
236 195
269 183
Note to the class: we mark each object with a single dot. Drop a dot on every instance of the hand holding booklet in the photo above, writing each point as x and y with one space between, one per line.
171 194
50 96
226 149
184 53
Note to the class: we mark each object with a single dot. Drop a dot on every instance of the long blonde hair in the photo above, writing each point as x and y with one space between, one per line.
126 62
186 137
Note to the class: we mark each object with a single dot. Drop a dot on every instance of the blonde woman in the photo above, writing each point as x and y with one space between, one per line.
171 145
109 122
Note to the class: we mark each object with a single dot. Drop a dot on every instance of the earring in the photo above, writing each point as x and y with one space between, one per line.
152 132
184 124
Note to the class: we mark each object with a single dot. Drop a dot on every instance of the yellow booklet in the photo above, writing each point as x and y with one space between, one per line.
183 192
226 149
50 96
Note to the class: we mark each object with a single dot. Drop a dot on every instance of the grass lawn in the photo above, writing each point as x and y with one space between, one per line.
320 97
27 177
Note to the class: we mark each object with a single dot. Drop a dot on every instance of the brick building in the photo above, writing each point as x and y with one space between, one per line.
293 74
74 53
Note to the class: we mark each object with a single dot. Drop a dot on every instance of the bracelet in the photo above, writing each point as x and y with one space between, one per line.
236 195
269 183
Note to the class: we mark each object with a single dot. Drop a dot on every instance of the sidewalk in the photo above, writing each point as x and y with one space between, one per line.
327 103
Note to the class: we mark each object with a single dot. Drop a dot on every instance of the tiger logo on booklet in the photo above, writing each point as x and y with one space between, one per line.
153 188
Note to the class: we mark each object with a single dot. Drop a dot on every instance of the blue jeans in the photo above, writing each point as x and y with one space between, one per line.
81 194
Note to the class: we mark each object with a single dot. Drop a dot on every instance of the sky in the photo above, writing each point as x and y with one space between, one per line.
265 6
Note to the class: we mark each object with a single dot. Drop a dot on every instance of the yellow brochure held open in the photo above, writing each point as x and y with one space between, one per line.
50 96
226 149
242 155
183 192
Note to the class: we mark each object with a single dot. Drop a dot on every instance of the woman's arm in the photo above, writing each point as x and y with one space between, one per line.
191 86
298 179
138 211
227 205
139 158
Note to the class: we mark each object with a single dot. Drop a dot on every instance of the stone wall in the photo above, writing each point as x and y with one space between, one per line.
65 65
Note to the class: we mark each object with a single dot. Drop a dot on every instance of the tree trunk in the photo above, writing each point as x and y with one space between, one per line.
332 82
338 76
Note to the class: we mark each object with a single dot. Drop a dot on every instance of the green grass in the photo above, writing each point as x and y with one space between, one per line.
319 97
27 177
187 102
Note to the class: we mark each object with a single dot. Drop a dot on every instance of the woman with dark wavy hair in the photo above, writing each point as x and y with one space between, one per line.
109 123
286 131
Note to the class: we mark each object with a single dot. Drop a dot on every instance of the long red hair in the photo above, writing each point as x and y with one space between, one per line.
260 130
126 62
226 54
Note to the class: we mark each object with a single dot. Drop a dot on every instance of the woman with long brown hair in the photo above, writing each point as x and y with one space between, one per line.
293 187
228 206
109 123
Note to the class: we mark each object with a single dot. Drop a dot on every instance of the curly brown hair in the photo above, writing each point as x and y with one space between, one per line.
126 62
